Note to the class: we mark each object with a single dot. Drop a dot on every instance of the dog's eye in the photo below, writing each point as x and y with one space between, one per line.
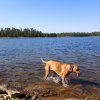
77 69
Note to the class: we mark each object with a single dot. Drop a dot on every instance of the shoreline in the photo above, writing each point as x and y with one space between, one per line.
51 37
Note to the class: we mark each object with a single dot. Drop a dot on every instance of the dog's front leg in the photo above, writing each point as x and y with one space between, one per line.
64 83
67 81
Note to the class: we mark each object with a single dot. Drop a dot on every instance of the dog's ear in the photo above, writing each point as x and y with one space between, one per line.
70 68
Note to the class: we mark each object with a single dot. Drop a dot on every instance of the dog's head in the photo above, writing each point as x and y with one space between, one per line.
76 70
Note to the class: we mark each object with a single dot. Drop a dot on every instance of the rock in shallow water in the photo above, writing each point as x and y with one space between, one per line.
8 94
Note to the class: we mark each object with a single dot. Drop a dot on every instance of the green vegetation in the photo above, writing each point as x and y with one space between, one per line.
13 32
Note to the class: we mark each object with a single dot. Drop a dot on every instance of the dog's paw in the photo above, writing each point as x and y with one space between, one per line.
44 78
65 85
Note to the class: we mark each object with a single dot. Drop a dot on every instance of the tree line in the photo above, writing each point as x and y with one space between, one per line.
30 32
27 32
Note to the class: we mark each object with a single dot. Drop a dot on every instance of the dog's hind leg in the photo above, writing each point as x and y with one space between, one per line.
47 70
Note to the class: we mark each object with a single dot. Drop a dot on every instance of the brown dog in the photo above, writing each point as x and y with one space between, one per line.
61 69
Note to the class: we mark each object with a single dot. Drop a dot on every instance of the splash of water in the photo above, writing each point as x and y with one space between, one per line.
58 80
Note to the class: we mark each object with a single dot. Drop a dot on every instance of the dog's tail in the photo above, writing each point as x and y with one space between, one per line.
43 61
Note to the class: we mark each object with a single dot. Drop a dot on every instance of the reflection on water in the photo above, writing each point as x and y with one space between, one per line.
20 57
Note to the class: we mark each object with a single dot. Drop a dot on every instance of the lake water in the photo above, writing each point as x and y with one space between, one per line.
20 57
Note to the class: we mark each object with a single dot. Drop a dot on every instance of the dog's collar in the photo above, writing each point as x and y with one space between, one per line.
70 68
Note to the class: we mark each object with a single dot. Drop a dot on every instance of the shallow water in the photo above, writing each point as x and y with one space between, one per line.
20 57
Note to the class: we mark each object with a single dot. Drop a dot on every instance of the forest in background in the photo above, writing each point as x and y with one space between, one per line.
30 32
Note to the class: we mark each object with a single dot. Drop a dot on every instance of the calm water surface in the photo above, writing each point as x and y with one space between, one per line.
20 57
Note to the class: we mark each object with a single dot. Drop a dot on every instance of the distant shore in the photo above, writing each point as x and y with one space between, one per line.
30 32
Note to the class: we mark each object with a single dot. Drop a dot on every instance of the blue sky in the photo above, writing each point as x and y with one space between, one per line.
51 15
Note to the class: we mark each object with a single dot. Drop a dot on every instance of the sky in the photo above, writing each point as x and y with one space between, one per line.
51 15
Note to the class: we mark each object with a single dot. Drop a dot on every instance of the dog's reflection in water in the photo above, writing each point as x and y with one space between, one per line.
56 79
